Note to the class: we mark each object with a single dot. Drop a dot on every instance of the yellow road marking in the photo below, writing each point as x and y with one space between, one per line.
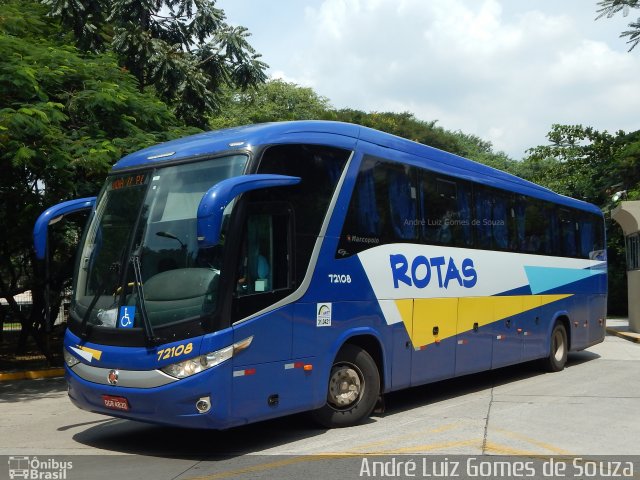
396 439
507 450
432 446
265 466
533 441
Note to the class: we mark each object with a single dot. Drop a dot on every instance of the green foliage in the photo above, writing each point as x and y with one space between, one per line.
274 101
407 126
609 8
584 163
65 118
278 100
627 161
181 48
579 162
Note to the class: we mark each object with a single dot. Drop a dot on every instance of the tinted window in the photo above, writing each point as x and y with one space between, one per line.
263 258
446 206
494 219
591 237
320 168
392 203
382 209
568 232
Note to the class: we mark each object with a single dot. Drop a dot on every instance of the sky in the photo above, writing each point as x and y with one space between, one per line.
502 70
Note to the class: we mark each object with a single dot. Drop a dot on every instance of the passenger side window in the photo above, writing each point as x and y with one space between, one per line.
383 207
568 231
493 219
591 237
395 203
530 225
446 207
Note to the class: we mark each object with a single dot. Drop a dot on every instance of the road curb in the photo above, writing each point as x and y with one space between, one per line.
631 336
32 374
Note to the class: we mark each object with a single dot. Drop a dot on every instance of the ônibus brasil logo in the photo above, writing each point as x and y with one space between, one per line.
36 469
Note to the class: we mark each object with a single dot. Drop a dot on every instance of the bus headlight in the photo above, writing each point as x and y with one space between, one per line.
69 359
204 362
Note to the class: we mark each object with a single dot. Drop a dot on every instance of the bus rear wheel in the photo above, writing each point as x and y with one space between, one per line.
353 389
558 349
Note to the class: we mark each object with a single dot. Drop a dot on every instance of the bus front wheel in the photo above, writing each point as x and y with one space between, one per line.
353 389
558 349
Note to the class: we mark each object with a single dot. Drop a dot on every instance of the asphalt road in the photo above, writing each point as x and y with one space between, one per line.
590 408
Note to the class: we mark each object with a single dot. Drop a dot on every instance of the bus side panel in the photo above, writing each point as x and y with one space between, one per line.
271 334
434 339
507 334
401 352
597 318
579 320
264 382
474 336
316 336
267 390
534 331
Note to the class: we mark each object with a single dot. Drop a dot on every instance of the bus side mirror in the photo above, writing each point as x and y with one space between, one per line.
52 215
213 203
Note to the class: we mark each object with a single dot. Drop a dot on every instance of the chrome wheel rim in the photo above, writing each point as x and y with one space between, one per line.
346 386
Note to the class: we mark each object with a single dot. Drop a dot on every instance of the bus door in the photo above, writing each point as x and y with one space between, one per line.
474 340
434 339
263 276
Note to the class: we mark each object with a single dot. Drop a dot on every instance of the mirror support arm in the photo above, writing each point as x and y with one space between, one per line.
52 215
213 203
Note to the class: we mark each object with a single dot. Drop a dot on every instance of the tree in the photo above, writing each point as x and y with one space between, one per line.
609 8
181 48
276 100
406 125
579 162
65 118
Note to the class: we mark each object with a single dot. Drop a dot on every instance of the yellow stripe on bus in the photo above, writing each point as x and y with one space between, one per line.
429 320
94 353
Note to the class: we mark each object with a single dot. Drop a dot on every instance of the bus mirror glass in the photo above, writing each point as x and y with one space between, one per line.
213 203
52 215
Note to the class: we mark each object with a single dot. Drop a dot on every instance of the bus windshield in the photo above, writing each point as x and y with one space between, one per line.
139 261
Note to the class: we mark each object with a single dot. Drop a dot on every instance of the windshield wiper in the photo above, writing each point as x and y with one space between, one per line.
87 314
113 269
148 328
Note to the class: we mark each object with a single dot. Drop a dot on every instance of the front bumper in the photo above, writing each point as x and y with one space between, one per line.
172 403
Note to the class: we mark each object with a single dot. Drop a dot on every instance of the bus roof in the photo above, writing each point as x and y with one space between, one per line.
325 132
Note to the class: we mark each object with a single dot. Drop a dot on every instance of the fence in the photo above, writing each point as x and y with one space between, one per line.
12 357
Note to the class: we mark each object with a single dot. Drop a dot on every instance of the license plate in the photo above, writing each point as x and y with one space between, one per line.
115 403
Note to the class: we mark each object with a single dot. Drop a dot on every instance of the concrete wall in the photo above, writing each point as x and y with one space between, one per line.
627 214
633 280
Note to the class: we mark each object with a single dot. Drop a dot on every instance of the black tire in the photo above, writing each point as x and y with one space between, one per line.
353 389
558 349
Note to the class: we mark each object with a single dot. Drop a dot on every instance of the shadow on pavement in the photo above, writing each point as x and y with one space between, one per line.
125 436
447 389
26 390
129 437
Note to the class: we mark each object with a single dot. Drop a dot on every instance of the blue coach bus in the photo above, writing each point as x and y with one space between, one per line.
244 274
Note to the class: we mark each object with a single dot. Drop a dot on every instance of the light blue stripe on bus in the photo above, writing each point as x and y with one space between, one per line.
543 279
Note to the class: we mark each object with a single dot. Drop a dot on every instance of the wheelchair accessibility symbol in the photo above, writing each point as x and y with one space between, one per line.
126 317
